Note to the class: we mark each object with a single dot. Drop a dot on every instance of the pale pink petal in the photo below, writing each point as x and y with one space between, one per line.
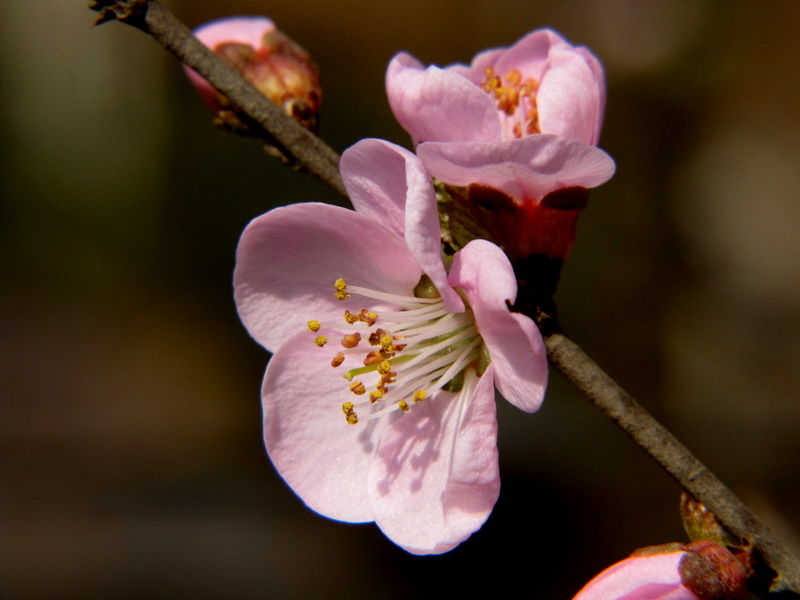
530 54
391 185
652 577
423 234
514 343
378 179
527 168
434 104
476 72
570 98
322 458
244 30
288 260
435 477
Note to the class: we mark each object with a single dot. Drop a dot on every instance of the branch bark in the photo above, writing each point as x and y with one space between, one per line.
565 355
588 378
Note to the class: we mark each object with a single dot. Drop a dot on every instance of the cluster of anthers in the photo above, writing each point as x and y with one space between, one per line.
516 98
408 353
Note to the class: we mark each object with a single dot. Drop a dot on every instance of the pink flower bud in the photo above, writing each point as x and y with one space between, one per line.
268 59
702 570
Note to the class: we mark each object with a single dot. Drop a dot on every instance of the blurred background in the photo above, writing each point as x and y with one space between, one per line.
131 459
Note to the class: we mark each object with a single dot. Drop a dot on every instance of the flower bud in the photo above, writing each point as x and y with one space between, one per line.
274 64
702 570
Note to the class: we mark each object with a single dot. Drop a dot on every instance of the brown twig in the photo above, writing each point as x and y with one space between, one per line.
296 143
588 378
567 357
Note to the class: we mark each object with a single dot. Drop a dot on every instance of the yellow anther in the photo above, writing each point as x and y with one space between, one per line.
513 77
358 388
420 395
341 289
313 326
373 357
351 340
403 405
375 396
386 341
350 318
491 82
337 360
321 340
367 317
384 367
350 414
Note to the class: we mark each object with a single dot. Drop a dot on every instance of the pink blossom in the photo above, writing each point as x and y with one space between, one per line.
386 414
541 84
518 128
702 570
273 63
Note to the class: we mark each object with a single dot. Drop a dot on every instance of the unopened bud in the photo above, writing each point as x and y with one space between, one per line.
702 570
274 64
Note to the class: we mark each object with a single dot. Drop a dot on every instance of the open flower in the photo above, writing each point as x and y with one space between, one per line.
702 570
518 128
541 84
379 399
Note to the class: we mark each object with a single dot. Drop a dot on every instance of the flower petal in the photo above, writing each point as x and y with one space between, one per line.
289 258
653 577
571 96
514 343
436 105
391 185
525 169
320 456
529 55
243 30
378 176
435 477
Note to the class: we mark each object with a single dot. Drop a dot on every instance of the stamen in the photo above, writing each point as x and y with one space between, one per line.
341 289
313 326
349 413
321 340
515 99
351 340
358 388
417 349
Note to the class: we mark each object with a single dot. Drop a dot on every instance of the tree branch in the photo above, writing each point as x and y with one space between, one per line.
588 378
568 358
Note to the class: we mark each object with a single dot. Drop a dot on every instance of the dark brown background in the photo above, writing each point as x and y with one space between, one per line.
131 462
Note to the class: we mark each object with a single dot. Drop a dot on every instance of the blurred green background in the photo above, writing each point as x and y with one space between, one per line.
132 463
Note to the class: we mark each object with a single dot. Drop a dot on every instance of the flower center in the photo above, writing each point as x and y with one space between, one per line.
516 99
405 355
